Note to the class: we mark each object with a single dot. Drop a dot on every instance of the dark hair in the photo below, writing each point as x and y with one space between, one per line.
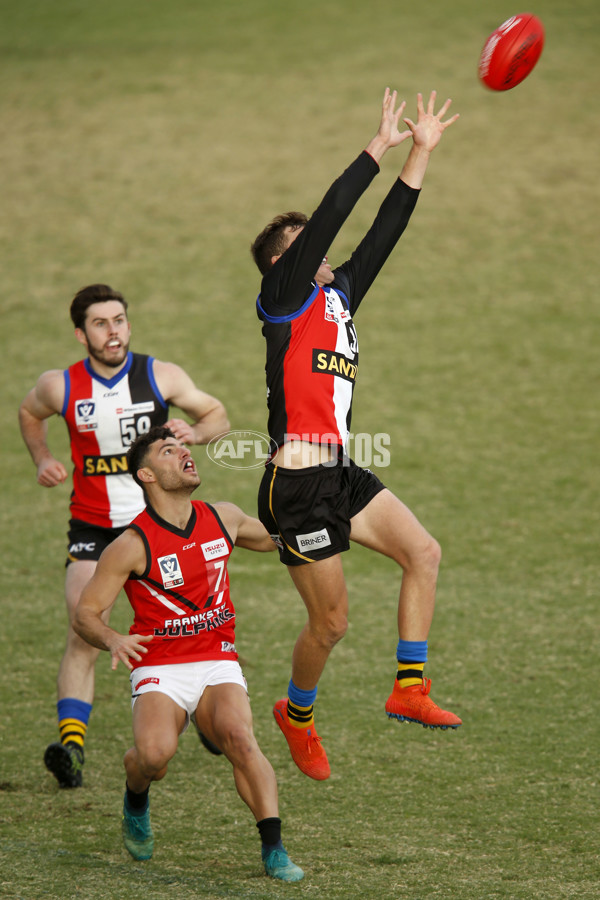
93 293
136 455
270 242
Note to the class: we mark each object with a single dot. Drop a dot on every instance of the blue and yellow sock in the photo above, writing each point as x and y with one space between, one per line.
73 718
411 656
300 706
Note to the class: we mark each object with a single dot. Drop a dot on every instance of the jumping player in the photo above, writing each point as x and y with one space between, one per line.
106 400
172 562
313 499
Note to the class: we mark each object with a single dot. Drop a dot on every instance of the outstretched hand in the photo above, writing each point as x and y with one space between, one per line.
429 127
388 131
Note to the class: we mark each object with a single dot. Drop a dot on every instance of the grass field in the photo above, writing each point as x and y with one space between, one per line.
145 144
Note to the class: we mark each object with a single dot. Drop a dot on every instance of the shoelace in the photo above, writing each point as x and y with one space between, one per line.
312 739
426 686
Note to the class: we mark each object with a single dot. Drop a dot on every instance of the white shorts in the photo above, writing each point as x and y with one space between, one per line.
185 683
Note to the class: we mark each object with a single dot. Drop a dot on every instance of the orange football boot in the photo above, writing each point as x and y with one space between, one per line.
413 704
304 743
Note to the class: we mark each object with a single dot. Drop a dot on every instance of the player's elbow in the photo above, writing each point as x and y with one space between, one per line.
218 423
78 623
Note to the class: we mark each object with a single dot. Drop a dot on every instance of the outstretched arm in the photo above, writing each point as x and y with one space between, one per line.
288 283
426 133
357 274
126 554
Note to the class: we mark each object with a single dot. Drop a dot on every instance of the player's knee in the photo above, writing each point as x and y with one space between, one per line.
331 628
338 629
76 644
153 756
78 652
434 554
429 556
238 743
423 557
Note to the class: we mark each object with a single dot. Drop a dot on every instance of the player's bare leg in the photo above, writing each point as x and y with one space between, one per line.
323 589
389 527
75 688
76 670
224 715
157 724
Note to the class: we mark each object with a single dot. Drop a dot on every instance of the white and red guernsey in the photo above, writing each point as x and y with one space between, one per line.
312 346
104 416
182 597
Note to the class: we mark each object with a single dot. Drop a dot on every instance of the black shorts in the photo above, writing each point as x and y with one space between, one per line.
307 512
88 541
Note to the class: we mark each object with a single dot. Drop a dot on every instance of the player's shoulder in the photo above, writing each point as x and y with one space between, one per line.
227 508
50 388
132 550
127 552
52 376
168 376
230 514
165 366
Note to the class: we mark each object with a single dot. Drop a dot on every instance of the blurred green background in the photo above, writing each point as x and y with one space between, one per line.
145 144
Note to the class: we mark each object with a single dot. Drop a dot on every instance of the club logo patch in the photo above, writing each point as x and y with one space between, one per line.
85 415
170 571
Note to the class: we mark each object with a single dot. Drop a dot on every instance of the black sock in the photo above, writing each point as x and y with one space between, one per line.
270 831
137 803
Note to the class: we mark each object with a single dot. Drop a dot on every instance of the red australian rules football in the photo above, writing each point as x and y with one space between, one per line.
511 52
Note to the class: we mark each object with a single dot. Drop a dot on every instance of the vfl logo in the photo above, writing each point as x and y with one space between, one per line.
85 411
170 570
